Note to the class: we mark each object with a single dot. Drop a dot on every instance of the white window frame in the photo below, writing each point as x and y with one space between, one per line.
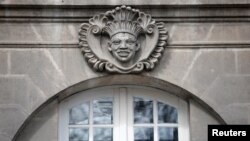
123 111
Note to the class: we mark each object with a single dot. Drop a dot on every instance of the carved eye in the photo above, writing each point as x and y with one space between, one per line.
130 42
116 42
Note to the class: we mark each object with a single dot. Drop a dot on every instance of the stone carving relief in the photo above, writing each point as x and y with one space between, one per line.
123 40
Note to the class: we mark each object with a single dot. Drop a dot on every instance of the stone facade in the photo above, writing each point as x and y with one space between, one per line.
207 55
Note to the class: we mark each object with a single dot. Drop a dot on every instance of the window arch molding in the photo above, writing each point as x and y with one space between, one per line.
110 80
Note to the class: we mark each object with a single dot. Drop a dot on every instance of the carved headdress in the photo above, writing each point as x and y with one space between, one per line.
123 21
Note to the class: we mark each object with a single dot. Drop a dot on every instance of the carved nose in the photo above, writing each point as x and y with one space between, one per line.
123 45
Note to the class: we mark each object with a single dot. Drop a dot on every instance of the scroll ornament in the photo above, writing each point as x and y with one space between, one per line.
123 40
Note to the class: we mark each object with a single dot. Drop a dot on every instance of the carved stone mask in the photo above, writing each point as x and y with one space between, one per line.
122 40
123 46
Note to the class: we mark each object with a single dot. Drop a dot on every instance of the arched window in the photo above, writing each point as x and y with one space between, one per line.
123 114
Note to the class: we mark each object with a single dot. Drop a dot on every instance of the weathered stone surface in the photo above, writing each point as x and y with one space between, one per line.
243 58
180 33
206 66
199 119
44 69
4 137
119 2
41 69
47 72
73 65
44 126
236 113
14 91
199 67
18 98
182 14
36 96
174 65
209 33
230 96
217 75
39 32
3 62
11 118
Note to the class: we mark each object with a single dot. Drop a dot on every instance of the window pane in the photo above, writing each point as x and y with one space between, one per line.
103 111
168 134
143 110
78 134
166 113
79 114
143 134
103 134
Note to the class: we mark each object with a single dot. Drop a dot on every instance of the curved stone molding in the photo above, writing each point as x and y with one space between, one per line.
123 40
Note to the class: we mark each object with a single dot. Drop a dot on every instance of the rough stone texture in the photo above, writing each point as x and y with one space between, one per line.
230 96
49 73
73 65
11 118
212 33
206 66
67 33
45 72
18 98
243 58
119 2
14 92
3 137
174 65
198 67
199 120
197 60
59 68
3 62
44 126
39 32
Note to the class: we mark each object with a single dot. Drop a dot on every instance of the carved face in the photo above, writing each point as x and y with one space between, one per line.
123 46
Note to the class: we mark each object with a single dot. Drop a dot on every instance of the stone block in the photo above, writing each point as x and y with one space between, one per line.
36 96
227 94
173 65
14 91
120 2
206 66
230 32
41 68
209 33
236 113
243 61
180 33
39 33
3 62
11 118
49 71
199 121
73 65
4 137
44 126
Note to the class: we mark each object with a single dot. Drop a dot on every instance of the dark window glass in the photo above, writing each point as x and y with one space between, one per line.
103 111
143 134
79 114
168 134
103 134
143 110
166 113
78 134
